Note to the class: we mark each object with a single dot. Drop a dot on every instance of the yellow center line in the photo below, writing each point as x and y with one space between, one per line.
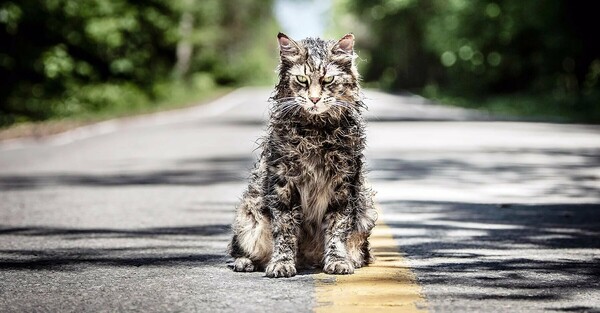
386 285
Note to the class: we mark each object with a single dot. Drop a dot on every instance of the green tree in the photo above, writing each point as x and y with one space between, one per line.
481 49
65 57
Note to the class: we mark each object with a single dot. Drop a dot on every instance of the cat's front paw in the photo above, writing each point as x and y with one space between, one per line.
281 269
340 267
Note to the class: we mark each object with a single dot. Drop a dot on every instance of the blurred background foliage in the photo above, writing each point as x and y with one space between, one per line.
529 58
62 58
72 58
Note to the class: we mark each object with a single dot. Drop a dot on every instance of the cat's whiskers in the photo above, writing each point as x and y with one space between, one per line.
289 108
287 105
284 105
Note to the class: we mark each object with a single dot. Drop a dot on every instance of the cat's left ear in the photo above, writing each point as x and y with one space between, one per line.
287 47
344 45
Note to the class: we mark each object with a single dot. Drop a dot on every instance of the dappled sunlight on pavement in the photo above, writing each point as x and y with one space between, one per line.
463 253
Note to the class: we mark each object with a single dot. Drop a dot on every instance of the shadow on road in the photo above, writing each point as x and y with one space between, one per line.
73 233
170 253
570 171
503 253
192 172
541 172
509 252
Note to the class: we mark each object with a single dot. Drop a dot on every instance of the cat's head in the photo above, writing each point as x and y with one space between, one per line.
317 75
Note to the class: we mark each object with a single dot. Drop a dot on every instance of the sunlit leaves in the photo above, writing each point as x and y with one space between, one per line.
60 57
57 62
10 14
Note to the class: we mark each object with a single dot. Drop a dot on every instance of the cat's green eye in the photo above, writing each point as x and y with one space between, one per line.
327 79
302 79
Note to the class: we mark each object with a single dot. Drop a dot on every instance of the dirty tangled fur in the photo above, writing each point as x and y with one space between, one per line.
307 204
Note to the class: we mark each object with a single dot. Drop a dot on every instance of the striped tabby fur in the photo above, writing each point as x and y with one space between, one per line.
307 203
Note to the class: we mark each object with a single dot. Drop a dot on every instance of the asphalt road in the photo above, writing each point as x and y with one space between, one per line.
133 215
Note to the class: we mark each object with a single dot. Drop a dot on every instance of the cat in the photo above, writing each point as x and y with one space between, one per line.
307 203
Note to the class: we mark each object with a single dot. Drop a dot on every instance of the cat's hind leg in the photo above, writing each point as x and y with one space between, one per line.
252 242
359 250
357 244
243 264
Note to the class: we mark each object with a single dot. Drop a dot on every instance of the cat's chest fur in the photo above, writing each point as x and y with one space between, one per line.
316 161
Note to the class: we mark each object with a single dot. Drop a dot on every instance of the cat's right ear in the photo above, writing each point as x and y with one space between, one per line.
288 48
345 45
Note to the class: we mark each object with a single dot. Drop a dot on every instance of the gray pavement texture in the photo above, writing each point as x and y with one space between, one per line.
133 215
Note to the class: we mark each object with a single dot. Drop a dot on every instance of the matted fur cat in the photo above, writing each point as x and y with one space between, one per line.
307 203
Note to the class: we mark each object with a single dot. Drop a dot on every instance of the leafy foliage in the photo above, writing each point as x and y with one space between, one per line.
63 57
482 49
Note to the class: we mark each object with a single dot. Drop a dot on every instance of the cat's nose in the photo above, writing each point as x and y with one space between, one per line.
314 99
